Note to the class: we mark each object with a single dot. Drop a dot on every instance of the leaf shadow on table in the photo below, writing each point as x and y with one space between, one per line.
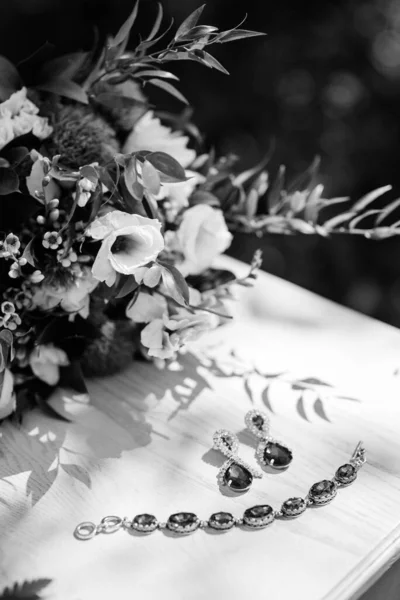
185 382
46 448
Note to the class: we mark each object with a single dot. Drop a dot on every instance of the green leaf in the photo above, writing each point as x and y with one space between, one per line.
66 66
354 222
17 155
275 191
198 32
90 173
170 89
175 283
96 198
157 23
118 101
9 181
168 166
305 180
66 88
213 63
130 179
6 346
124 31
28 590
202 197
368 198
79 473
156 73
313 204
387 211
27 254
128 285
238 34
189 22
10 80
338 220
150 177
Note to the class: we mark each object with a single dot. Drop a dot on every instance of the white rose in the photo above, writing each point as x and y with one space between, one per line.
45 361
7 396
73 299
23 123
147 308
150 276
129 242
149 134
6 131
41 128
157 341
22 114
164 337
202 236
18 102
178 193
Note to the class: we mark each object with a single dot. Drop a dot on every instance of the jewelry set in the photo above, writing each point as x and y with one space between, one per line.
236 475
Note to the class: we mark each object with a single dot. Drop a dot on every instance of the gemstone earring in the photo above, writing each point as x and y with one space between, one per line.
234 473
270 452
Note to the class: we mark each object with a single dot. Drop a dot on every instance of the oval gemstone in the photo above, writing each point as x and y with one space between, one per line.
259 516
346 474
258 421
293 507
183 522
221 520
144 522
277 456
237 478
323 491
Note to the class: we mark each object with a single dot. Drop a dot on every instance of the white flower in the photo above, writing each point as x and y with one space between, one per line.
147 308
73 299
164 337
45 361
19 116
149 134
6 131
129 242
157 341
7 396
178 193
150 276
202 236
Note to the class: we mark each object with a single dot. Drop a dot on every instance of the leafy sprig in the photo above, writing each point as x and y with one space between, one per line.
253 202
189 43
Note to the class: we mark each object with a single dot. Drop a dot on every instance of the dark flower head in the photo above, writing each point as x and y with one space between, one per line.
81 136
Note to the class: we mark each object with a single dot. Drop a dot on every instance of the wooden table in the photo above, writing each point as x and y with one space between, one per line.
143 445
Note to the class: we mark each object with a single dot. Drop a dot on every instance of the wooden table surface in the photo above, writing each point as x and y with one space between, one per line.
144 445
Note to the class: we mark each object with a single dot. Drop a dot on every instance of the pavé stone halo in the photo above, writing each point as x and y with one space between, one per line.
235 474
270 452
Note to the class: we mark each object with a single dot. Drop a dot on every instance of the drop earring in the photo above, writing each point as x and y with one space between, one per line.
235 474
270 452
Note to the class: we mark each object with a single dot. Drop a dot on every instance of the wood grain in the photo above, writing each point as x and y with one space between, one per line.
143 445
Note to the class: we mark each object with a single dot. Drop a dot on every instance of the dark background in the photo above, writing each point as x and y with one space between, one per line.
325 79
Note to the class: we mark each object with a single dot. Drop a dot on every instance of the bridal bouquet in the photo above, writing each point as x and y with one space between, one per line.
111 217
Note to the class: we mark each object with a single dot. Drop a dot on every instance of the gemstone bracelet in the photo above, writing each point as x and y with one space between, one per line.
256 517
